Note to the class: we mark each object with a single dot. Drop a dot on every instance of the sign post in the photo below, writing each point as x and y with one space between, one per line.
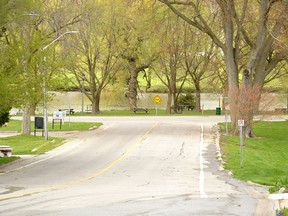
157 100
241 124
226 114
226 122
58 116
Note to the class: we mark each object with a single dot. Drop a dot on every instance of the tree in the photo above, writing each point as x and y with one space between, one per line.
4 118
7 94
250 53
198 55
136 42
15 41
24 37
169 67
97 59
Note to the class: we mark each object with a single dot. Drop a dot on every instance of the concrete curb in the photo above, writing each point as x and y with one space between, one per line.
280 200
218 151
265 205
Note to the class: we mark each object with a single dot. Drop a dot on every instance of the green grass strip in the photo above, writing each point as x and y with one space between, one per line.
34 145
15 125
27 144
151 112
265 157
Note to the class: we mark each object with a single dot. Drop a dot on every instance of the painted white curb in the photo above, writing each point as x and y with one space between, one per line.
280 200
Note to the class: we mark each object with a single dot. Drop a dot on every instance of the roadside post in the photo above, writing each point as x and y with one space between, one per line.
226 114
69 114
58 116
241 124
157 100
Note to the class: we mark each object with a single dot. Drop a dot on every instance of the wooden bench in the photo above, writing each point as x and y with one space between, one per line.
88 108
182 107
6 150
71 111
282 110
136 109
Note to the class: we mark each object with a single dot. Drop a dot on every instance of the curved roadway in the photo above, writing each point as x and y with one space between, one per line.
129 166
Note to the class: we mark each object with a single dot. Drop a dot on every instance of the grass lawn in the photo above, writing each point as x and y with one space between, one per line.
25 144
28 145
151 112
72 126
15 125
265 157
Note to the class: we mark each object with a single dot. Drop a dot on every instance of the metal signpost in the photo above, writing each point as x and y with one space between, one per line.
58 116
241 124
226 114
83 92
157 100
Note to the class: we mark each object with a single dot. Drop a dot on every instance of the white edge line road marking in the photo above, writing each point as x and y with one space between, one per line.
201 161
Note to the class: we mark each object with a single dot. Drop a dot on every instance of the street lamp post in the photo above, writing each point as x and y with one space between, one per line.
45 109
22 15
83 91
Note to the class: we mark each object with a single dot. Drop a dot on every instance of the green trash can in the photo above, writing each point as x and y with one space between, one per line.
218 110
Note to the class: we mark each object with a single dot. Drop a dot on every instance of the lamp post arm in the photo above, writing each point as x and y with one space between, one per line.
56 39
45 86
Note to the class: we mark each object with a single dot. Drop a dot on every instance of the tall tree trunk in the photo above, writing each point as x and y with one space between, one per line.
197 98
169 102
233 95
132 89
172 83
26 121
175 102
96 102
134 71
231 69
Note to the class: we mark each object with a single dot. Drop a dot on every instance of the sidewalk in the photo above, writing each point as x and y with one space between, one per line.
8 133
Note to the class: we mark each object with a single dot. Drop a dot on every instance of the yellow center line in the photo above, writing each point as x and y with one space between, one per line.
61 186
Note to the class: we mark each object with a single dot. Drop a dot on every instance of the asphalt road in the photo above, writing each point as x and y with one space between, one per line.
130 166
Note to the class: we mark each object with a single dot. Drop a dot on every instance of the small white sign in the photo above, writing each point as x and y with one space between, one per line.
59 115
241 123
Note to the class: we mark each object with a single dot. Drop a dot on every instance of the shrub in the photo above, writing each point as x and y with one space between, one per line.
4 117
187 99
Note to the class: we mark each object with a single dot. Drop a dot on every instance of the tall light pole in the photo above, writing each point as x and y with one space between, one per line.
83 91
22 15
45 110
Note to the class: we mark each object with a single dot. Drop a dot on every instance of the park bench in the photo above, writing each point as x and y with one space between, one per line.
71 111
89 109
6 150
282 110
181 107
136 109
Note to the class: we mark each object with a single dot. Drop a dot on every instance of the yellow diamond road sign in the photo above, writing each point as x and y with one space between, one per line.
157 99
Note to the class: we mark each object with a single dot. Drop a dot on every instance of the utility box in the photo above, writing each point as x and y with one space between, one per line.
39 123
218 110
